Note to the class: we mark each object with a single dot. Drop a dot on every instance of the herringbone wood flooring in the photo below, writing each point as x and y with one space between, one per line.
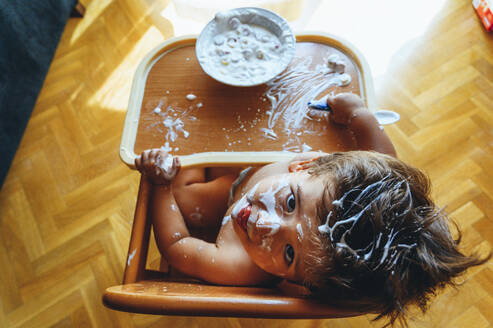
68 201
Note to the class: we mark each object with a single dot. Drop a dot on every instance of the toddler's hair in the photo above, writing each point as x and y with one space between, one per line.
383 243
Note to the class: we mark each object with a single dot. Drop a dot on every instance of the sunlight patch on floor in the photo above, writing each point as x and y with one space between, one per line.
97 9
379 28
114 92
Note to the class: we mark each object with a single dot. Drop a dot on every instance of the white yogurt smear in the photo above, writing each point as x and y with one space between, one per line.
166 147
191 97
269 218
336 63
390 252
173 120
165 163
299 228
290 91
226 219
131 256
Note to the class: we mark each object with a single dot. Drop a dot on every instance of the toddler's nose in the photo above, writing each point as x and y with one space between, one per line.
267 225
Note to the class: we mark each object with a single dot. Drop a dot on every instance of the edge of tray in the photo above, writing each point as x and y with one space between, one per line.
130 127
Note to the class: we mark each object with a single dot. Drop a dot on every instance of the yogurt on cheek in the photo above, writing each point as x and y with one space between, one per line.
241 53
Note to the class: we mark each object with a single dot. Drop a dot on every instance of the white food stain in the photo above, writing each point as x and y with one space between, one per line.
287 94
131 256
174 126
290 92
191 97
174 118
299 229
166 148
267 243
165 162
336 64
305 148
389 253
269 217
226 219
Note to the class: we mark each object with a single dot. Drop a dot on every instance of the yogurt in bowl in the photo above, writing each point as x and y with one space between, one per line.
245 46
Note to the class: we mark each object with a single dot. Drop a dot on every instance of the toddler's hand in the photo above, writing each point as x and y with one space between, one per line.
158 166
344 107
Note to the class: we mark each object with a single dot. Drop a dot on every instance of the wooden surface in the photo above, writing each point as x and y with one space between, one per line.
233 120
184 298
229 114
67 204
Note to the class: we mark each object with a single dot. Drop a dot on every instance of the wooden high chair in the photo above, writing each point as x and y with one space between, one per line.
218 137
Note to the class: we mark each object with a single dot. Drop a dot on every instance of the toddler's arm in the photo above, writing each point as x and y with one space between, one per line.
348 109
224 262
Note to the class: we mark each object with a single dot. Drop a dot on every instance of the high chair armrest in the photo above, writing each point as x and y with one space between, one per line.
187 299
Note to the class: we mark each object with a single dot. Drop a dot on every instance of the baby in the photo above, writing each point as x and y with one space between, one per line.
356 228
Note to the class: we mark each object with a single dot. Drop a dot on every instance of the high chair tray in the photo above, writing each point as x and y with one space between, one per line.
175 105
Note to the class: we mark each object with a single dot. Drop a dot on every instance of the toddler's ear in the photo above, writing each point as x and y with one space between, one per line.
296 166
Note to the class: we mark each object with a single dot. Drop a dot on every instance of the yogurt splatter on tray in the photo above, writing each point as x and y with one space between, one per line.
290 92
271 117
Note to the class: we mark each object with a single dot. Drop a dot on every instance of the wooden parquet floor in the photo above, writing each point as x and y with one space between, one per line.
67 205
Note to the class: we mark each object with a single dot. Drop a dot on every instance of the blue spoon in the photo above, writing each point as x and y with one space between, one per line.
320 104
384 117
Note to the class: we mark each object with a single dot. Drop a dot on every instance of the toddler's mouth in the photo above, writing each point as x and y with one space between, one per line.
243 215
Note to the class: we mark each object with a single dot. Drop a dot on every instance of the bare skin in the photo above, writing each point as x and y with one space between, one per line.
263 233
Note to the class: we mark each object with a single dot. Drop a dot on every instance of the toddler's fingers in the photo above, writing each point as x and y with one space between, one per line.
145 156
153 156
339 99
162 153
154 152
331 101
176 164
138 162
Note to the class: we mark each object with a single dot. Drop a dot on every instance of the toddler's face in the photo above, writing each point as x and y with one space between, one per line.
275 219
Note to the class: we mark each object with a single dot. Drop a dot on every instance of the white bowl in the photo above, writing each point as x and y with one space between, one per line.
267 69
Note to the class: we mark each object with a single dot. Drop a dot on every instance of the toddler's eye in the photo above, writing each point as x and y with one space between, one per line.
290 203
289 254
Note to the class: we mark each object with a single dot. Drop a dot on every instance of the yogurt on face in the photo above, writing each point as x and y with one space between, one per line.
243 53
